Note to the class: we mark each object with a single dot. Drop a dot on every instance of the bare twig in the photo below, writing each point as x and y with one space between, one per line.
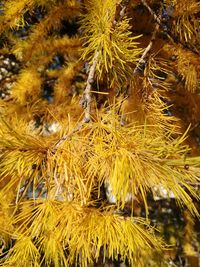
141 64
142 60
122 12
66 137
157 19
170 36
86 97
85 103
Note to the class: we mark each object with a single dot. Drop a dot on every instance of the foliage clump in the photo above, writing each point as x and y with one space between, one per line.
99 132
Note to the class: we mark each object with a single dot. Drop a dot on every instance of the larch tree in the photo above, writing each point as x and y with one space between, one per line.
99 132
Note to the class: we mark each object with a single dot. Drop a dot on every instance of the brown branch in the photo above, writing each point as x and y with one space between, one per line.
171 37
157 19
122 12
141 64
86 97
85 103
142 60
66 137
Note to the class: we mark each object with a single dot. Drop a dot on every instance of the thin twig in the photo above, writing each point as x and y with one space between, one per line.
85 103
171 37
66 137
157 19
86 97
122 12
119 15
142 60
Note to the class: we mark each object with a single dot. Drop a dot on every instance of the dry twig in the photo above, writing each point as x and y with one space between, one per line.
86 97
142 60
157 19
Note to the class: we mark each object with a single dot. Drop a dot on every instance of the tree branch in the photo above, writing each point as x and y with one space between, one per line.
86 97
171 37
66 137
141 64
157 19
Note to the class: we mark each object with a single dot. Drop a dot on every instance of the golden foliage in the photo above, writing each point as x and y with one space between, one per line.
126 163
187 66
186 7
112 39
14 13
65 77
185 24
36 223
65 184
28 86
67 177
